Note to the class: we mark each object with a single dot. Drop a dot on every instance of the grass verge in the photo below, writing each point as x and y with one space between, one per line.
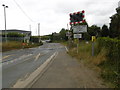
99 62
17 45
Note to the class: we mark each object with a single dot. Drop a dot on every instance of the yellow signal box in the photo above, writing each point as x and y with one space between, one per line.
93 38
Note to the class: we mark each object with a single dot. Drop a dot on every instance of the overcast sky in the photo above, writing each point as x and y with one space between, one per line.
54 14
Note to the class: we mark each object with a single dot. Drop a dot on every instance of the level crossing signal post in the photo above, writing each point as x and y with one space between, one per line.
76 19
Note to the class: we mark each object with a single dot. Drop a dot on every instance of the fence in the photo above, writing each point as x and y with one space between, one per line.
13 39
21 39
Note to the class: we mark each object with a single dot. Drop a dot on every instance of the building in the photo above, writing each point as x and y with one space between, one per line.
55 34
17 31
26 33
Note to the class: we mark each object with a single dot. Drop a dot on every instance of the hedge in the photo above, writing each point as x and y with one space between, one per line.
111 67
13 34
111 45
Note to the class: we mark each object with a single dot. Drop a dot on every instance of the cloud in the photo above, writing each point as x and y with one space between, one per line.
54 14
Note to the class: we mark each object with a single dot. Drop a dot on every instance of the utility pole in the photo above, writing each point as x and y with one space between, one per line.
30 27
69 37
5 21
67 26
39 31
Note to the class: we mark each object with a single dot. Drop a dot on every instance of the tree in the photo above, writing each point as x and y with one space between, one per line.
115 25
94 30
86 36
105 31
45 37
55 36
63 34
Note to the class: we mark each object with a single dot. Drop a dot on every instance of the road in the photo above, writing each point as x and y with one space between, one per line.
67 72
29 68
19 64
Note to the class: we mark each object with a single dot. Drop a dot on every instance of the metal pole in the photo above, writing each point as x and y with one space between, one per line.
93 48
5 21
30 27
67 27
30 33
69 37
78 46
39 31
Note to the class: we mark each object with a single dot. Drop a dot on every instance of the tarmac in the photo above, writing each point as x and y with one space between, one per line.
65 71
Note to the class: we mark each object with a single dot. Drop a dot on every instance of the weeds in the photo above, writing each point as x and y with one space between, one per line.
17 45
105 60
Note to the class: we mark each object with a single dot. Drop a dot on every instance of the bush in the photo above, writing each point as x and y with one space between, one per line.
34 39
111 69
17 45
14 34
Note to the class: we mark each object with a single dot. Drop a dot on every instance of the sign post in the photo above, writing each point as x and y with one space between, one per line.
75 19
68 34
78 47
77 36
78 30
93 40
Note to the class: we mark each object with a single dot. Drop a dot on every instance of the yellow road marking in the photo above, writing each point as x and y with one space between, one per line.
6 56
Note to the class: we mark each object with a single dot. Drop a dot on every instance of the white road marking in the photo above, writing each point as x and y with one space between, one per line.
32 77
66 48
12 61
36 58
21 57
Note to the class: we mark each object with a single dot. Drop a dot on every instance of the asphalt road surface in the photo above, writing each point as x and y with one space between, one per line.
19 64
63 71
67 72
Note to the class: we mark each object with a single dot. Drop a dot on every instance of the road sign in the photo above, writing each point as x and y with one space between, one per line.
80 29
68 34
77 35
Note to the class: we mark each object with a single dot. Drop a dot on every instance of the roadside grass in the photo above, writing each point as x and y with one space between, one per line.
59 41
16 45
0 47
95 62
64 43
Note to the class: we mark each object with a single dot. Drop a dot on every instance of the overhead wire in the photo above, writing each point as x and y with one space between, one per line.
23 11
